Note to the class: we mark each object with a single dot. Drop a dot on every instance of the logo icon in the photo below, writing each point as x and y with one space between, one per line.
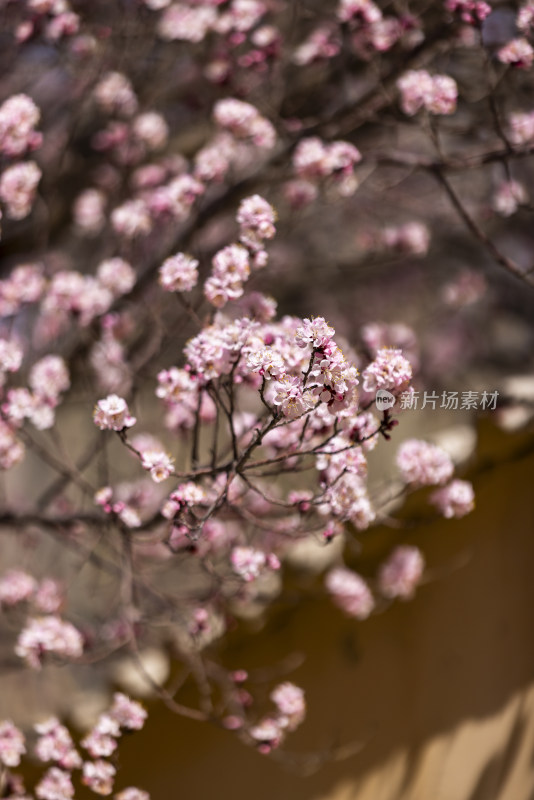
384 400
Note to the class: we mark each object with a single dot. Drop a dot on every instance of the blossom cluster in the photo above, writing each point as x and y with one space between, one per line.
55 746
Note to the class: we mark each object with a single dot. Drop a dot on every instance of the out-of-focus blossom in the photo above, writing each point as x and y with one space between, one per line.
423 464
455 500
350 592
401 573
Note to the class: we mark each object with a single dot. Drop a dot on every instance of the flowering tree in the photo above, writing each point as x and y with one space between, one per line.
145 184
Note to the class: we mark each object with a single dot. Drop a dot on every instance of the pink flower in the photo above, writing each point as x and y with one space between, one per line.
112 414
267 362
102 740
314 332
48 635
114 94
438 93
521 127
151 129
159 464
131 219
455 500
11 744
18 186
49 377
56 784
55 744
16 586
186 23
401 573
49 596
268 733
116 275
423 464
248 562
350 592
517 52
11 450
11 355
127 713
390 371
89 211
179 273
245 122
291 398
289 699
99 776
131 793
256 218
18 117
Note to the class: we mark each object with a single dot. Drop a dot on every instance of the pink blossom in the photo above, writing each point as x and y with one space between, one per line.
112 414
116 275
102 740
55 744
245 122
151 129
401 573
470 11
347 499
508 197
179 273
455 500
131 219
159 464
267 362
89 211
99 776
423 464
11 449
268 733
49 596
350 592
438 93
16 586
315 332
186 23
248 562
49 377
517 52
127 713
132 793
525 17
290 397
242 16
115 95
18 118
390 371
11 355
521 127
66 24
56 784
256 218
18 186
11 744
48 635
412 238
321 43
289 699
366 10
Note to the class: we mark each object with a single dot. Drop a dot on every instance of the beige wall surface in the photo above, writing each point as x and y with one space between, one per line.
439 692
